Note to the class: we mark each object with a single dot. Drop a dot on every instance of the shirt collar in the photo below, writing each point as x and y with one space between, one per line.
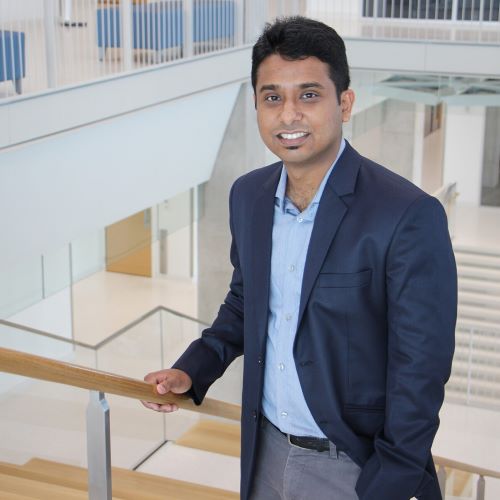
279 197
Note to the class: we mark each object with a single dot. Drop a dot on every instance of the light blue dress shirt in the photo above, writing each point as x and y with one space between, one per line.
283 401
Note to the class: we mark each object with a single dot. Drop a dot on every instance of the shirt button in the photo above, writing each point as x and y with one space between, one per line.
300 219
291 268
288 317
284 414
281 367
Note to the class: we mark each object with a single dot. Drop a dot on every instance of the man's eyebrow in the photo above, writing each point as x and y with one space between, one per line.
309 85
302 86
270 86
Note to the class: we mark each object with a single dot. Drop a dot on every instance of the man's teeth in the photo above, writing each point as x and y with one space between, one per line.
297 135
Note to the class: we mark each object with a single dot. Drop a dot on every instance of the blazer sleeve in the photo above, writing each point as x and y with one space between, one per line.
206 359
421 283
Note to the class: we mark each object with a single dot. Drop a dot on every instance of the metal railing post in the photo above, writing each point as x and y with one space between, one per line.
239 28
469 365
98 447
481 486
126 33
49 20
188 39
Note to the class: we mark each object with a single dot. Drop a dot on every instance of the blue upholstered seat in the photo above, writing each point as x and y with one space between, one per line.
12 58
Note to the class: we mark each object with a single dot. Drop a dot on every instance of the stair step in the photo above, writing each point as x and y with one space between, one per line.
477 260
477 387
479 359
483 344
129 484
480 313
478 371
214 436
480 327
466 271
481 286
461 397
474 250
22 472
479 299
29 488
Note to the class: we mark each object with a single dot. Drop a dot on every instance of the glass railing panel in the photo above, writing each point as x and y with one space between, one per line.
135 431
179 332
20 286
41 419
88 255
56 267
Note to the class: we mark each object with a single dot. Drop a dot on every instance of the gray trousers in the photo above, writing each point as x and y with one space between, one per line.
286 472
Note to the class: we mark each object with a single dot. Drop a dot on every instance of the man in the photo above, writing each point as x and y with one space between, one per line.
342 300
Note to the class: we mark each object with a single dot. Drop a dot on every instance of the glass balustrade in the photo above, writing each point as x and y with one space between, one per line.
47 420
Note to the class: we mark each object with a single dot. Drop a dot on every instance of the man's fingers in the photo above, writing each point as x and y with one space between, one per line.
164 387
165 408
150 405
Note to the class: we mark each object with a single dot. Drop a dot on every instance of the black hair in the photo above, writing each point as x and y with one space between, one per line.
298 37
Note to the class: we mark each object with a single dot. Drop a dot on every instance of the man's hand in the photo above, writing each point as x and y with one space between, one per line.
171 380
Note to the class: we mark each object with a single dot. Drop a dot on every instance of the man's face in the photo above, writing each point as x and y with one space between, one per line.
299 117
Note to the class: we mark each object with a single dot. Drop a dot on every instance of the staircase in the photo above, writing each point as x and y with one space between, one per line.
44 479
476 365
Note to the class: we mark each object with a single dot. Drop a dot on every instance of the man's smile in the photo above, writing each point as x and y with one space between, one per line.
289 139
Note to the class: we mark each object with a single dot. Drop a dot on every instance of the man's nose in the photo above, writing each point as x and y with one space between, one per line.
290 113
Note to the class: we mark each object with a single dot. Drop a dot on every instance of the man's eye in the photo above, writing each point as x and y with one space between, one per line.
271 98
309 95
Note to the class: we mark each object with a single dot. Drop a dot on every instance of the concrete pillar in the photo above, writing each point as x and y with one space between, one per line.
418 144
491 169
464 150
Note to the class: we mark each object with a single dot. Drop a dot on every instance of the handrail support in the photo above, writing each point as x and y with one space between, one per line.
98 447
480 488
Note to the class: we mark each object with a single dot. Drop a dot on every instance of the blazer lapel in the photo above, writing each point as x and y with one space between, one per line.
262 237
331 211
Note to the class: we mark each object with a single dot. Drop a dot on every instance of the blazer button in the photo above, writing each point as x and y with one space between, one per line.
254 415
260 360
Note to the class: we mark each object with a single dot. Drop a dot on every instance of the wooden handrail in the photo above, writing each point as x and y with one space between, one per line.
454 464
38 367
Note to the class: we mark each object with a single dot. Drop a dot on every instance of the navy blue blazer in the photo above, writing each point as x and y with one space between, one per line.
375 335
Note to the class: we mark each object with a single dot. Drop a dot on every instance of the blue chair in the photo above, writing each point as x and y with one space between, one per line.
159 25
12 58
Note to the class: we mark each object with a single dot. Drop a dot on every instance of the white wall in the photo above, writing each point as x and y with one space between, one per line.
20 10
463 151
76 182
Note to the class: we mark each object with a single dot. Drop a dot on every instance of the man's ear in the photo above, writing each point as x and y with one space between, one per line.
347 99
